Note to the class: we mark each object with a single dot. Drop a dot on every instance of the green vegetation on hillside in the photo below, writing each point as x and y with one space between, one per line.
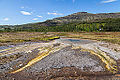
98 26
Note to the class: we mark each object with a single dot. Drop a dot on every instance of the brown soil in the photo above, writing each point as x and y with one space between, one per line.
66 73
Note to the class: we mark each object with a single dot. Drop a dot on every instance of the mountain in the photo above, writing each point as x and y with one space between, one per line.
78 17
81 21
84 16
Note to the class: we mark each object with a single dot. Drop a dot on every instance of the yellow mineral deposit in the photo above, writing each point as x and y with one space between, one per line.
33 61
45 52
110 63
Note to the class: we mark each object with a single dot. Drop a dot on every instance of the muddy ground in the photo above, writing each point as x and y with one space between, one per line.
66 59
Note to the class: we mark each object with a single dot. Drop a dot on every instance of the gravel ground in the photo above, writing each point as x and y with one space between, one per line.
65 57
68 57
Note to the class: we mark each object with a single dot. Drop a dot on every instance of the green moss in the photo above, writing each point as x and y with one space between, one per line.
53 38
62 34
111 40
46 38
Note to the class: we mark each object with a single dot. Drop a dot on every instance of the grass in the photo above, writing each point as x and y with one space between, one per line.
112 37
45 38
16 37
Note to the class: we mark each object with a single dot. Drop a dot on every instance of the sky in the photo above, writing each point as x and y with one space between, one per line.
14 12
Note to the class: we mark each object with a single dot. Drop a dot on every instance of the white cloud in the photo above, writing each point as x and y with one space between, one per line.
35 19
108 1
73 1
54 13
6 19
22 7
25 13
40 16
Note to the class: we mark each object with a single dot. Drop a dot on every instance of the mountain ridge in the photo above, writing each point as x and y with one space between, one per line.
78 17
81 21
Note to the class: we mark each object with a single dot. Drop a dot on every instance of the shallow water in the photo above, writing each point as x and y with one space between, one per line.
3 47
19 44
80 41
77 41
6 47
74 40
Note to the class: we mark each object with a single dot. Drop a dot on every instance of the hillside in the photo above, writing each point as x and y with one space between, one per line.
77 17
84 16
73 22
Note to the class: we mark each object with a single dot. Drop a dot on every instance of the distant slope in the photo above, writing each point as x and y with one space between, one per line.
84 16
77 17
81 21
